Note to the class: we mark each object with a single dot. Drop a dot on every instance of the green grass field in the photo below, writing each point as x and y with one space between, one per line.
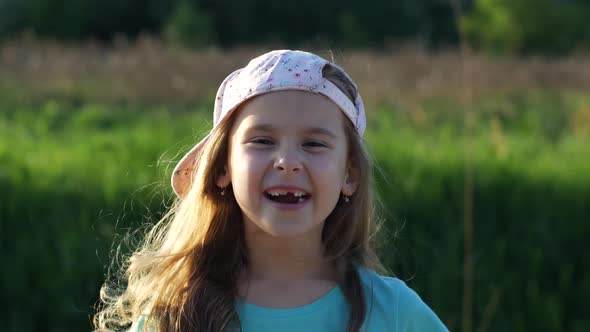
76 175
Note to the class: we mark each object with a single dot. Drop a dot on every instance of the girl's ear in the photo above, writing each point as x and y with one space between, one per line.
351 180
224 179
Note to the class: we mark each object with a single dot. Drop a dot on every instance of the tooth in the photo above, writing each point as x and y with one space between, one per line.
294 193
300 200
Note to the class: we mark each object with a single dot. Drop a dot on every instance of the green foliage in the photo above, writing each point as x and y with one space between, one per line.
350 27
495 26
528 26
72 177
189 26
60 18
82 19
11 16
76 175
229 22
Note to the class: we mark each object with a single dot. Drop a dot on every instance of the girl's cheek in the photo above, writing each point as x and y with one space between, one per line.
328 162
250 166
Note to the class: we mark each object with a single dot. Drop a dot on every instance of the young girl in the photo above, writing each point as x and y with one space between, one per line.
272 228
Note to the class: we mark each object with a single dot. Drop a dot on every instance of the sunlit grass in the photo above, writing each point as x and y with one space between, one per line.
75 174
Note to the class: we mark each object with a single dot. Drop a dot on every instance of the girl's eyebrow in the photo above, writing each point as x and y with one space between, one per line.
321 131
308 130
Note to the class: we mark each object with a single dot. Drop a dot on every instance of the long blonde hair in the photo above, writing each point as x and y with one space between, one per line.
183 276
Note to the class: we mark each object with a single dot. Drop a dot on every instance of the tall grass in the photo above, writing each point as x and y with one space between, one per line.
74 176
71 178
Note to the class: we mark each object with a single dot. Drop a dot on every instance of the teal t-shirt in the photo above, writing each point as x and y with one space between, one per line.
391 306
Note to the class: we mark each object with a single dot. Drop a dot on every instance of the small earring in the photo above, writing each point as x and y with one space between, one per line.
346 199
223 192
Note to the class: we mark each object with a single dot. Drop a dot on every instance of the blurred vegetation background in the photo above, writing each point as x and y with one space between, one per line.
479 121
496 26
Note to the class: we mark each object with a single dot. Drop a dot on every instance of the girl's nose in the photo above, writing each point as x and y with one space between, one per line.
288 162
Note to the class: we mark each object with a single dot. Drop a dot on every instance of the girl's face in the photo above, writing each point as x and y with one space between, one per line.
287 161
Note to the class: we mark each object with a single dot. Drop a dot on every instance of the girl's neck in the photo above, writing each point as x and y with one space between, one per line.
287 260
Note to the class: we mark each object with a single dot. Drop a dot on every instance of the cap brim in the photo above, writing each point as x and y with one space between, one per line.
181 176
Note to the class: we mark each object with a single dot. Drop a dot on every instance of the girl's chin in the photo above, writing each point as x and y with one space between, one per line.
287 228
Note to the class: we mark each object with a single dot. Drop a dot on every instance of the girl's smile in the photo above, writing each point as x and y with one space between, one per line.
287 197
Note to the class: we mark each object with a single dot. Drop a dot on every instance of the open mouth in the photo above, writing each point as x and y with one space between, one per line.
287 197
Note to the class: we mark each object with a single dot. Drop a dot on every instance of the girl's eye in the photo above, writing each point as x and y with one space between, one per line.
314 144
263 141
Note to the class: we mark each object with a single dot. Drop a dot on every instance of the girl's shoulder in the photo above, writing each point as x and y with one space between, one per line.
391 297
140 326
388 289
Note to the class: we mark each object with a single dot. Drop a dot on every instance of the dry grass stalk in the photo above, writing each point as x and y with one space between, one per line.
148 70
